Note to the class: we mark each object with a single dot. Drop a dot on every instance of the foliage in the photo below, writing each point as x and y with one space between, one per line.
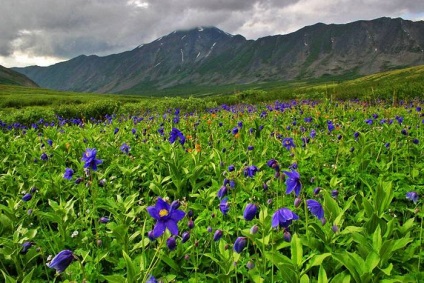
363 157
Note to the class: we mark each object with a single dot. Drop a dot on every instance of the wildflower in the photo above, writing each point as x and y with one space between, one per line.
171 243
413 196
288 143
313 134
232 184
224 206
297 202
315 208
190 224
234 131
25 247
176 134
250 212
44 156
330 126
334 193
62 260
27 197
293 182
283 218
125 148
254 229
90 160
151 279
217 235
335 228
231 168
369 121
185 237
250 147
287 236
166 217
50 142
68 174
317 190
209 229
250 171
250 265
150 235
222 192
416 141
356 135
115 131
240 244
104 219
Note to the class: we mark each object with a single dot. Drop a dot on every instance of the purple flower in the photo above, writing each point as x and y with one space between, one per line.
313 134
250 171
287 236
68 174
176 134
240 244
288 143
413 196
222 192
283 218
293 182
250 147
250 211
115 131
27 197
224 206
171 243
334 193
231 168
62 260
90 160
151 279
44 156
185 237
125 148
166 217
25 247
315 208
234 130
104 219
369 121
217 235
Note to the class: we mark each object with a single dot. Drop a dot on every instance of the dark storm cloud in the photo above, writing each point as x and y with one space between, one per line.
64 29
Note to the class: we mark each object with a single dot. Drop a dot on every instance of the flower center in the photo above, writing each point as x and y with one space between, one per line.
163 212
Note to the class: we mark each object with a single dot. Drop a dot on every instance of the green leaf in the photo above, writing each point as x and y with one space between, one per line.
7 278
296 251
388 269
316 260
130 267
116 278
304 279
322 275
372 261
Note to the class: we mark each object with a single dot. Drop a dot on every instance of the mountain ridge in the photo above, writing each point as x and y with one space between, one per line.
210 56
10 77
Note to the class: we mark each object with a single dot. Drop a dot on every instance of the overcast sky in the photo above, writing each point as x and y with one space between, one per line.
43 32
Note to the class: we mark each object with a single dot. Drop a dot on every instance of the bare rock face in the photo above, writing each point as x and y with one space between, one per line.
209 56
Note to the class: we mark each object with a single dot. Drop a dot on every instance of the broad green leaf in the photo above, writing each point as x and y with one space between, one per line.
296 251
322 275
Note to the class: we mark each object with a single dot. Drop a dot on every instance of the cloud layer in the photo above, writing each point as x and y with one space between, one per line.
46 31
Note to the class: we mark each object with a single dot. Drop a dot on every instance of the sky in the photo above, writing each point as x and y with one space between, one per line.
44 32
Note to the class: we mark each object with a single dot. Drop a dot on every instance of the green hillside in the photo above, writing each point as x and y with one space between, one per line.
26 104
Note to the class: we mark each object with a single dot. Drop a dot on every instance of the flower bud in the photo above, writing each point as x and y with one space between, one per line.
218 235
171 243
240 244
185 237
297 202
254 229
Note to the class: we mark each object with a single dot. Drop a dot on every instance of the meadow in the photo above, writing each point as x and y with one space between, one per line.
293 190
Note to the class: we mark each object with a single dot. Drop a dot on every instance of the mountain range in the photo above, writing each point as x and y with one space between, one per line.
208 56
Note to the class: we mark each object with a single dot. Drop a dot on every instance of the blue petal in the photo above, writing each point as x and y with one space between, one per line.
159 229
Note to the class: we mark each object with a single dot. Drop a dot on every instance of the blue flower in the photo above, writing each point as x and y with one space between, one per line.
313 134
224 206
62 260
283 218
166 217
68 174
250 211
104 219
413 196
217 235
293 182
151 279
27 197
125 148
185 237
250 171
90 160
44 156
315 208
231 168
176 134
171 243
25 247
288 143
222 192
240 244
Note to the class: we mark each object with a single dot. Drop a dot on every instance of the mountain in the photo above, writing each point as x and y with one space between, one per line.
10 77
208 56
